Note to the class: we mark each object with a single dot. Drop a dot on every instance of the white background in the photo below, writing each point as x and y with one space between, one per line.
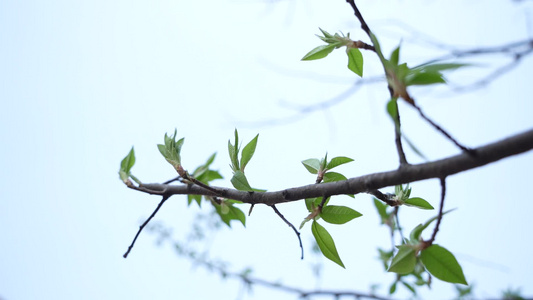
83 81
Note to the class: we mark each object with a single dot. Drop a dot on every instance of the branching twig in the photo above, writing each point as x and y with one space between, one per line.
165 197
292 226
221 269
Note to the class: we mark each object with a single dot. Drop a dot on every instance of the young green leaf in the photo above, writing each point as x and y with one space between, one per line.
333 176
438 67
395 56
312 165
418 202
312 203
382 210
355 60
196 198
125 166
240 182
171 150
247 152
337 161
417 231
228 212
325 243
234 152
392 109
413 147
392 288
409 287
338 214
405 260
442 264
423 78
320 52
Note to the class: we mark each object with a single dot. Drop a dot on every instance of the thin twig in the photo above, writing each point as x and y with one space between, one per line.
398 135
396 210
383 197
290 225
441 130
203 185
323 202
359 16
165 197
172 180
442 196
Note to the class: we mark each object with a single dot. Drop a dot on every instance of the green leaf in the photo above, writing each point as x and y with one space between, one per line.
240 182
442 264
325 243
325 33
311 203
338 214
201 170
210 175
248 152
171 150
414 236
126 164
320 52
228 212
333 176
234 152
395 56
392 109
438 67
163 150
405 260
392 288
337 161
312 165
413 147
382 210
410 287
424 78
128 161
418 202
196 198
355 60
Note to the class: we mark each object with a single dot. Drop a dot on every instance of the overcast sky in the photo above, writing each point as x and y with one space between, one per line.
83 81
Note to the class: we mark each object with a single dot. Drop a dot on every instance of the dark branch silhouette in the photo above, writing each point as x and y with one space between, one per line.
410 173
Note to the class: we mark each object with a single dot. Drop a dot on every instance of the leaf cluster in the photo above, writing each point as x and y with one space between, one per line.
239 180
171 151
336 41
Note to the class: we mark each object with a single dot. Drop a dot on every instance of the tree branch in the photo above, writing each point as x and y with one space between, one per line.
490 153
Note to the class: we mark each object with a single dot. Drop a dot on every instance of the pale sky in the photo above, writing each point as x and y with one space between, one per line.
83 81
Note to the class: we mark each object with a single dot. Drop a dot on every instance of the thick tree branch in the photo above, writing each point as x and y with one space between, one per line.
410 173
